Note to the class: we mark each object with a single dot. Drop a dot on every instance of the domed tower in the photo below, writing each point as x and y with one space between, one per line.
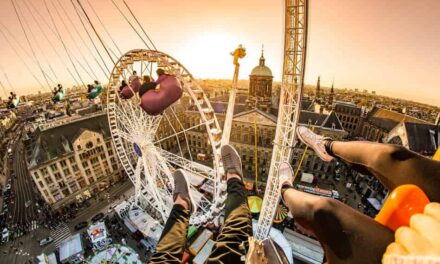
260 86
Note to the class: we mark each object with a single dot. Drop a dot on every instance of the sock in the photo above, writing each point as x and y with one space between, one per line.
284 188
328 146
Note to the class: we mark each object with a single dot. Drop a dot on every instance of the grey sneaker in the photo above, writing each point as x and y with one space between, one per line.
182 188
315 141
231 160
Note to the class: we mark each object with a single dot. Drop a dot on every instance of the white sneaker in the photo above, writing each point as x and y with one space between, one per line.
285 174
285 177
314 141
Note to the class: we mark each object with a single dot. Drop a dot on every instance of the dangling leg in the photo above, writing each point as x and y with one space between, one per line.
346 235
393 165
172 242
237 227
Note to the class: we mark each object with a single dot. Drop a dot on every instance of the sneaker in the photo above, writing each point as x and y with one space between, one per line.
231 160
182 188
285 178
285 175
314 141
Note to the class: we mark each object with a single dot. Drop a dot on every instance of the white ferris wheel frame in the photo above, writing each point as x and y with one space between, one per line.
134 134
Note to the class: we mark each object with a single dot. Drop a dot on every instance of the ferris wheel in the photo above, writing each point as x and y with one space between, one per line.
150 147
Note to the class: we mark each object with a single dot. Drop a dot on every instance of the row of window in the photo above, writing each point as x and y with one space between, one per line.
72 184
349 119
353 111
91 152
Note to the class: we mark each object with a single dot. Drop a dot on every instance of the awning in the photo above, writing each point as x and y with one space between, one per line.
375 203
280 214
304 248
255 203
97 232
130 226
70 247
307 177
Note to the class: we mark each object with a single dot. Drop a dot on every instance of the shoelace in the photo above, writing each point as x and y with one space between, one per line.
227 162
312 136
315 139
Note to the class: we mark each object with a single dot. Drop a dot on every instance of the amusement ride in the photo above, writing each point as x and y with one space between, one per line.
150 167
142 140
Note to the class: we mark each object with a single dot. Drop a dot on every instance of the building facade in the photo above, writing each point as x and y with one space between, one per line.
253 132
74 161
7 120
350 116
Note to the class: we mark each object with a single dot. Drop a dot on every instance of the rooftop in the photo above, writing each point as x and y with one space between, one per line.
52 142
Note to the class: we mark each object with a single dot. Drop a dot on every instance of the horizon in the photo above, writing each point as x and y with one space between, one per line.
374 50
279 82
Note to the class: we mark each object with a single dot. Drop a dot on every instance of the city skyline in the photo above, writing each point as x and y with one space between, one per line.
379 50
180 165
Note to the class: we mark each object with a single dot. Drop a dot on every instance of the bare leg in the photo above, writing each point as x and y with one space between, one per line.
393 165
346 235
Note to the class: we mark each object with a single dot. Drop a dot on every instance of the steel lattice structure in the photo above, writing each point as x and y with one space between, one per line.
296 15
139 142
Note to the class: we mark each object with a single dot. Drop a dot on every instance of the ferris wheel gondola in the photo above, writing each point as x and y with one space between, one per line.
151 147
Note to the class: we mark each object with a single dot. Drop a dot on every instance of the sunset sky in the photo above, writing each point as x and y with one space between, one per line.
390 46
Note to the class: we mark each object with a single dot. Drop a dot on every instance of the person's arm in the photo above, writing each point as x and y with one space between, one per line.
346 235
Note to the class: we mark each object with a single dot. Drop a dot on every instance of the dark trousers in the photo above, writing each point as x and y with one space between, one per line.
236 230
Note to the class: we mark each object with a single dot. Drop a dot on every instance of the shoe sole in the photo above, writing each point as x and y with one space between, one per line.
312 146
188 186
239 159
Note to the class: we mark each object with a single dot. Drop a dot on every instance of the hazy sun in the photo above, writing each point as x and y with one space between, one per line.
208 54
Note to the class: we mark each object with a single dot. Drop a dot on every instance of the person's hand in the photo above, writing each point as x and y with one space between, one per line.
421 238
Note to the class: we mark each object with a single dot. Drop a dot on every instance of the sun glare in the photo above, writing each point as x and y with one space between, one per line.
208 54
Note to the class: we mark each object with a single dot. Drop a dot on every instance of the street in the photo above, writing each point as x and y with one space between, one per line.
24 210
27 247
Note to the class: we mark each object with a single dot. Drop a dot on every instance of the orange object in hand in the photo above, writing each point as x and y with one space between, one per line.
403 202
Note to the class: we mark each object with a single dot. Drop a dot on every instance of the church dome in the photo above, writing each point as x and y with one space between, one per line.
262 69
